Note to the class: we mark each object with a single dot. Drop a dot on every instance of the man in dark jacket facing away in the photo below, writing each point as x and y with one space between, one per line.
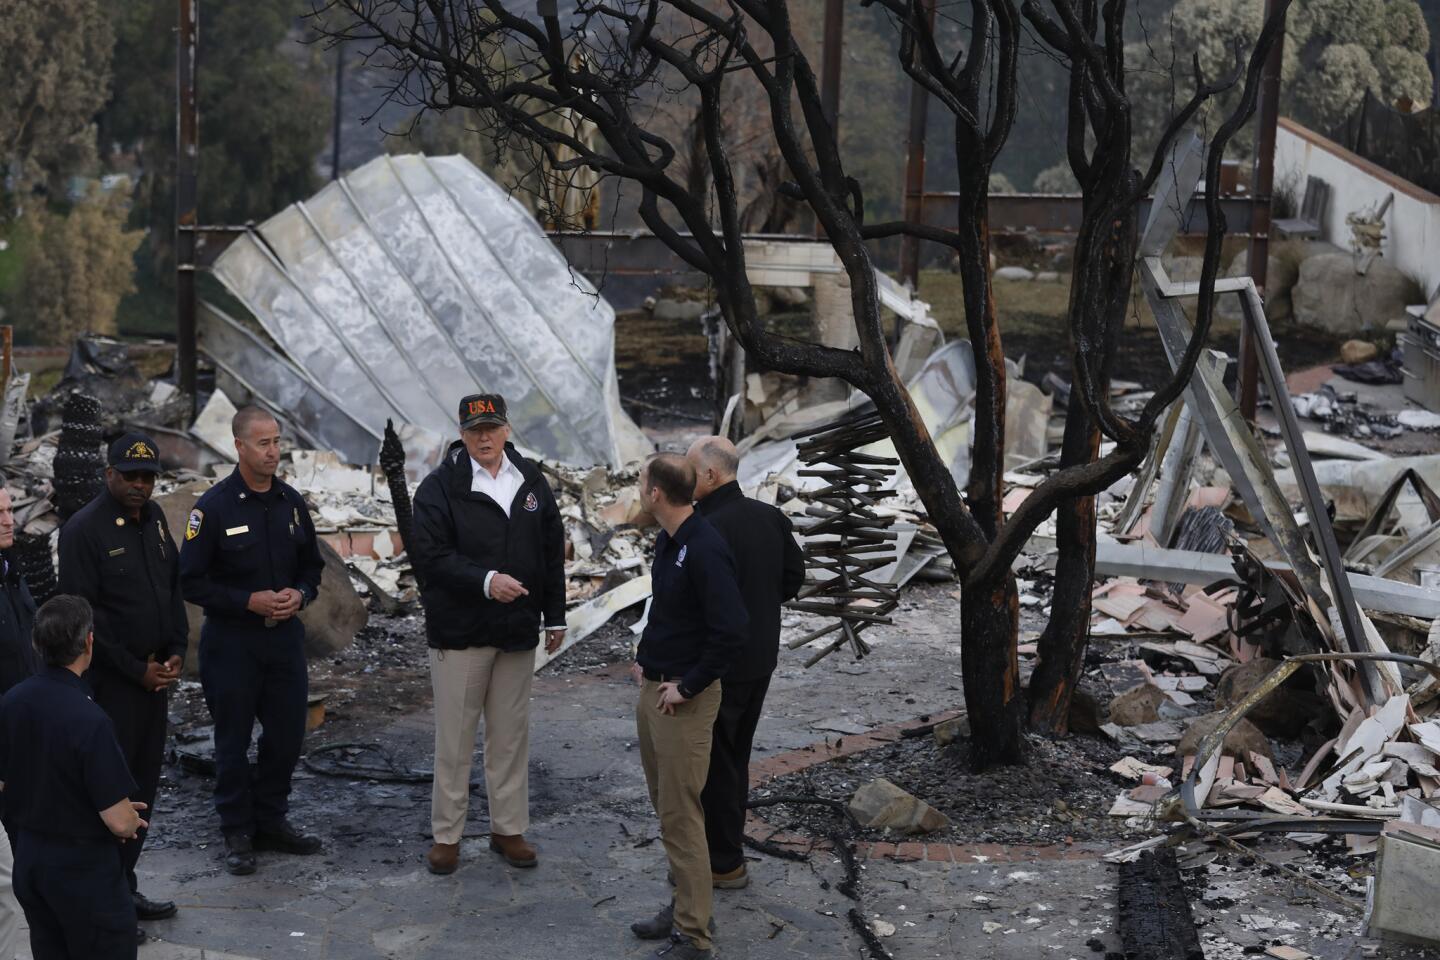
770 568
489 547
117 553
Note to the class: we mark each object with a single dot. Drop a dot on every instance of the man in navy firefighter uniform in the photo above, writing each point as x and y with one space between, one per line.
68 796
118 554
251 560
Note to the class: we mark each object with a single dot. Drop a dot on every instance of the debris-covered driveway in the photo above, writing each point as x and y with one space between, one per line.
369 895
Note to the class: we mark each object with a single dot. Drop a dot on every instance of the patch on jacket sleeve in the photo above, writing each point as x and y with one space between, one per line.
192 526
531 503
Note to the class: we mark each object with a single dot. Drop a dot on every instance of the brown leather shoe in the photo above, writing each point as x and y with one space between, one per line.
443 858
514 849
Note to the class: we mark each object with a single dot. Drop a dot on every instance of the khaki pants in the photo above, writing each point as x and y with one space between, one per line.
468 683
10 915
675 751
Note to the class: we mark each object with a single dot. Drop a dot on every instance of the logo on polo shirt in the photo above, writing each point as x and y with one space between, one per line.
531 503
681 559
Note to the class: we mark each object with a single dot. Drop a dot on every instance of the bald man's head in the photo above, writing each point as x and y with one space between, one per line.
715 462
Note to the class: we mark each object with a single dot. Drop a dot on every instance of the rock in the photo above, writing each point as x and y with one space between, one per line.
1332 296
1084 712
1284 713
1047 276
791 297
1014 273
1243 739
1140 704
951 730
331 622
1358 351
880 803
681 310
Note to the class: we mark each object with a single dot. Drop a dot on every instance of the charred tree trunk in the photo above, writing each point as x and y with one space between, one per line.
989 663
1062 645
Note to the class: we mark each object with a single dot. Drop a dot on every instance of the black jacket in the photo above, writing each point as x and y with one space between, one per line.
130 573
18 659
460 536
768 565
697 619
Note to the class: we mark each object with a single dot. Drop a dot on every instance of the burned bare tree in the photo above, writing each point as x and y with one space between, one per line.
518 68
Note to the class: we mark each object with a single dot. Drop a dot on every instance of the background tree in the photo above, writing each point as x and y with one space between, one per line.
264 116
57 59
1335 50
441 55
79 266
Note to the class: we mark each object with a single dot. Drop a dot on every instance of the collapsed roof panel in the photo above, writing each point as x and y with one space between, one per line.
277 382
415 280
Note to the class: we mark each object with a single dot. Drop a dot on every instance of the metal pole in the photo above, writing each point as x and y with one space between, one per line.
915 172
830 62
1262 184
339 93
187 148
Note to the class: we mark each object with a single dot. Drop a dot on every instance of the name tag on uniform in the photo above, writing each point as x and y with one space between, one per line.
117 551
232 531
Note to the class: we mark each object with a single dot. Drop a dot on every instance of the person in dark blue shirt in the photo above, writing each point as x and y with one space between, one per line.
117 553
67 792
697 628
251 560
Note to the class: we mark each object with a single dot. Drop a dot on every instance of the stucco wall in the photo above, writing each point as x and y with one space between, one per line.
1412 224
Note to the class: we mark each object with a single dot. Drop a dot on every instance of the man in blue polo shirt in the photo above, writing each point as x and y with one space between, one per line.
696 629
67 794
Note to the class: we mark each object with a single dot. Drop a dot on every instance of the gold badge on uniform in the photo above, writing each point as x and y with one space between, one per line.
192 526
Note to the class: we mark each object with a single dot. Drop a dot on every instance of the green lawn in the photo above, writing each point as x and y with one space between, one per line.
17 235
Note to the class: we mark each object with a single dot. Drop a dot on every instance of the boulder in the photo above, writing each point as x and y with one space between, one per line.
1084 716
1358 351
1140 704
1014 273
1242 740
791 298
951 730
881 804
678 310
1332 296
1283 713
331 622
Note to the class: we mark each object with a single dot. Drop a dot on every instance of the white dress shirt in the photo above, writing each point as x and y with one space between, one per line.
501 487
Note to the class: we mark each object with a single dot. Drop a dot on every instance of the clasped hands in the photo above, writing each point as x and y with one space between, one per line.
275 604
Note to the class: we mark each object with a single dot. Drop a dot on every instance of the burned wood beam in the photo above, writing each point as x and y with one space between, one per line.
1155 918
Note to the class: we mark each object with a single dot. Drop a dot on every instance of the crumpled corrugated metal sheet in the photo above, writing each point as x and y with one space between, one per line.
415 280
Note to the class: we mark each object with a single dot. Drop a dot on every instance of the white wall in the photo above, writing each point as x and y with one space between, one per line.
1412 224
